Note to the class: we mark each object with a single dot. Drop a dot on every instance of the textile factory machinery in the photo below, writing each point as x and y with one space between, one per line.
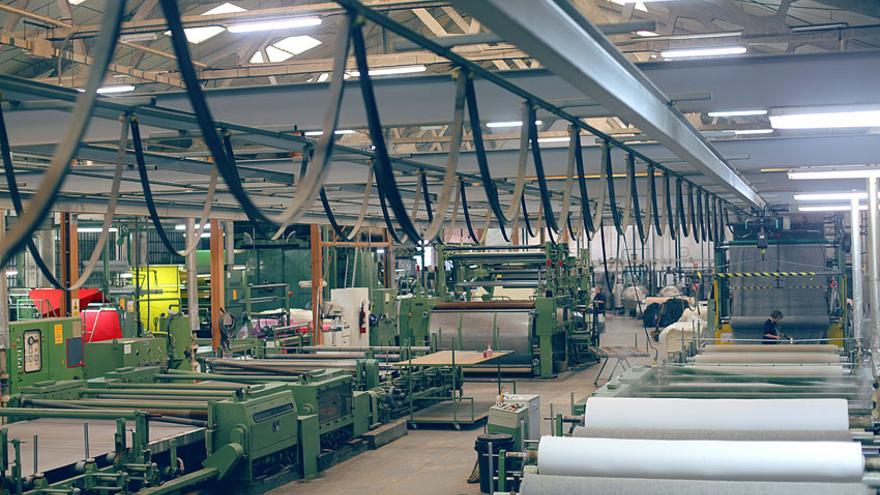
782 263
532 300
249 428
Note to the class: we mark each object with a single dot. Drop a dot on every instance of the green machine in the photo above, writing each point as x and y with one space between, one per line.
108 355
251 440
414 318
43 350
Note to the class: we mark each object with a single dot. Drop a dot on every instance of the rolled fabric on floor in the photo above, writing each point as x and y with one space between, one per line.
830 348
773 370
724 435
701 459
540 484
768 357
718 414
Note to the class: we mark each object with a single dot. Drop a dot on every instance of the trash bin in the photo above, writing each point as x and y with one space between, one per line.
499 441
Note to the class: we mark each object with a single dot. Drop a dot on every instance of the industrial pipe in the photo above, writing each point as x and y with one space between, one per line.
874 267
856 252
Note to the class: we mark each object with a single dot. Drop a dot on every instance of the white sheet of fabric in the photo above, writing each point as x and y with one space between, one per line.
829 348
717 414
701 459
672 336
774 370
768 357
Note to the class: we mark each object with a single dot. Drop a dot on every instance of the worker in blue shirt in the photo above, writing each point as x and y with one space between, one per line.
772 335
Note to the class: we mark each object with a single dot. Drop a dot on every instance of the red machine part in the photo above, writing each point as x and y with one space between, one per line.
101 324
48 301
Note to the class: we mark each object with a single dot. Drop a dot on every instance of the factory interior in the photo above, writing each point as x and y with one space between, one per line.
439 247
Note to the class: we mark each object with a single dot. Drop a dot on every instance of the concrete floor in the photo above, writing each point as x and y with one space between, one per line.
439 461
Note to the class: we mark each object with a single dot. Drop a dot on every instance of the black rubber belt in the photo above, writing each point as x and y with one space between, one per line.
462 188
389 224
679 204
653 191
525 213
670 213
634 194
203 114
701 219
609 176
15 196
382 163
692 212
709 219
604 254
145 184
549 217
427 196
586 216
480 152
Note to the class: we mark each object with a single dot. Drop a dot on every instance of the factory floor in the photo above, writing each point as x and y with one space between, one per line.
439 461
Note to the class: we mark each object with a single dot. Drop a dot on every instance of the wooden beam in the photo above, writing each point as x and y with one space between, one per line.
218 296
317 282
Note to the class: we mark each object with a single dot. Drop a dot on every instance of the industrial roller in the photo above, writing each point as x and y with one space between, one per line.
815 348
768 357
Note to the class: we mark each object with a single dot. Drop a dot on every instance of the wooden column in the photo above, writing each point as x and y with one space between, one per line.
218 295
317 282
69 264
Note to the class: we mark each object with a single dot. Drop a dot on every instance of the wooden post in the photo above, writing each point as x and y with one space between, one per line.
218 296
317 282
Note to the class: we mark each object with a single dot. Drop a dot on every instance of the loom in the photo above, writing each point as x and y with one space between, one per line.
534 303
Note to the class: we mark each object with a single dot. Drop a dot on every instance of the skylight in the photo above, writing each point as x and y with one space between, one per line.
198 35
285 49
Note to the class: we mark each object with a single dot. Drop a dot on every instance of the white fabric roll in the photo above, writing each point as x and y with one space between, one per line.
717 414
830 348
701 460
768 357
771 370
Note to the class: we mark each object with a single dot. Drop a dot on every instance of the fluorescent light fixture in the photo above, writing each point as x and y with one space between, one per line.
704 52
752 132
292 23
181 226
554 140
338 131
390 71
239 267
122 88
75 2
830 173
835 117
510 123
644 33
93 230
11 273
198 35
830 196
829 208
139 37
380 251
738 113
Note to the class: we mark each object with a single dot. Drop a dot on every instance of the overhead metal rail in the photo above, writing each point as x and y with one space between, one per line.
548 29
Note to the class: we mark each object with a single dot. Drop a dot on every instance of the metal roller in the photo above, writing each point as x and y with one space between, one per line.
767 357
831 348
726 435
474 326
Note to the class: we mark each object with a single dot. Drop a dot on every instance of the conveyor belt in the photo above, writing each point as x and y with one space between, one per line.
60 441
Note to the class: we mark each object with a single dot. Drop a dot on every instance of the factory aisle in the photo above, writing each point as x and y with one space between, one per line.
438 461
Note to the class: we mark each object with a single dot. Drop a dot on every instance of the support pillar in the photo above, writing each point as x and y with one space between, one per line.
192 280
856 252
874 265
218 296
317 282
69 264
4 297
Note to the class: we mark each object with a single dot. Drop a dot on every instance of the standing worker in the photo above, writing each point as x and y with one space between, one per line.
772 335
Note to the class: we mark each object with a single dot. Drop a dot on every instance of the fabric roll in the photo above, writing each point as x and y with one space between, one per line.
718 414
539 484
768 357
701 459
726 435
830 348
771 370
